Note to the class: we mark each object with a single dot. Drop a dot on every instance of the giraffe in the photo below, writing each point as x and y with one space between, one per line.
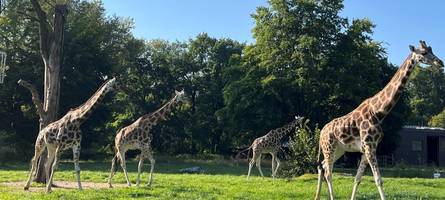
64 134
270 143
138 136
361 131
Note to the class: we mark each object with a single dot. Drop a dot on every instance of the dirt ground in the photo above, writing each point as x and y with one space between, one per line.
64 185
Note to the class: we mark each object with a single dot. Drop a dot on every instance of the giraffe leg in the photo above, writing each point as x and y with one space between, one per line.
76 155
319 182
113 169
277 166
152 167
51 165
251 163
140 165
258 165
358 177
37 153
372 159
273 165
49 161
328 165
124 166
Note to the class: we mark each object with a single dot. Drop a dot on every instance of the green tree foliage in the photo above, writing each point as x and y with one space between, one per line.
438 120
303 151
307 60
198 66
96 46
427 94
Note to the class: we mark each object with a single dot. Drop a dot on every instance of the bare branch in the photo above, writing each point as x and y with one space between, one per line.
35 97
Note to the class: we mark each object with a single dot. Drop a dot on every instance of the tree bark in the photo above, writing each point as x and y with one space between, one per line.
51 49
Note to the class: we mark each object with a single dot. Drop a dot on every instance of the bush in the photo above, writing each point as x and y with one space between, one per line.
303 151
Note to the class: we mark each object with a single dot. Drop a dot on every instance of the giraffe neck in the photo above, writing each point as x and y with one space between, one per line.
282 131
386 99
162 112
82 112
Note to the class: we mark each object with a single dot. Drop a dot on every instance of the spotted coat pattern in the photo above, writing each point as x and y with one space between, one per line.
65 134
138 136
270 143
361 131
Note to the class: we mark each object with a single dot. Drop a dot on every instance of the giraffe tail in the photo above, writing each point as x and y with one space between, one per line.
242 151
248 153
115 162
319 155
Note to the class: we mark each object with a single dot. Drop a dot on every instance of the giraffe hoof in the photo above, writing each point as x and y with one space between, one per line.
26 188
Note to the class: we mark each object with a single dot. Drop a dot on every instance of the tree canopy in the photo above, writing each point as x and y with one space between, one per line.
306 60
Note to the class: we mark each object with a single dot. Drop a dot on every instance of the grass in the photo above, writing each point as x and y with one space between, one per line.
222 180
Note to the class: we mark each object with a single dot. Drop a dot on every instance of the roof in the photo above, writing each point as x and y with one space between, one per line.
425 128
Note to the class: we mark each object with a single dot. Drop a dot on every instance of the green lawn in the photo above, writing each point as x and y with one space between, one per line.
222 180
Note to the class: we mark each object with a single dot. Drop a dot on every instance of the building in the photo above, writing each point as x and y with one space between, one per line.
421 146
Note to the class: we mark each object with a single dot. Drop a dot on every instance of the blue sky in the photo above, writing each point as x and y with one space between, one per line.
399 22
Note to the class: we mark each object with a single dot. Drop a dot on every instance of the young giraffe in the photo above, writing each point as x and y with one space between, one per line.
138 136
270 143
63 134
360 130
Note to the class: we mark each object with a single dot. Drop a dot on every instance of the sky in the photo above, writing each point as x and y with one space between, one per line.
399 23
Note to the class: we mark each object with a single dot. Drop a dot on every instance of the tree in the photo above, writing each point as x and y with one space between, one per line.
304 149
51 46
426 89
304 62
438 120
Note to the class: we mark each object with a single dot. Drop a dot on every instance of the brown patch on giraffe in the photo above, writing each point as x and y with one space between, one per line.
378 105
364 125
388 91
355 131
355 115
374 101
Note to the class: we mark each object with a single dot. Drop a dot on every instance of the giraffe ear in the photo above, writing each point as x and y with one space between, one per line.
422 44
412 48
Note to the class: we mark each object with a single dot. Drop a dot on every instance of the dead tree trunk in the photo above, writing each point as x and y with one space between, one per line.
51 47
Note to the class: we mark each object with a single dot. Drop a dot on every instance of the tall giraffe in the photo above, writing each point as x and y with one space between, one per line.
361 131
138 136
64 134
270 143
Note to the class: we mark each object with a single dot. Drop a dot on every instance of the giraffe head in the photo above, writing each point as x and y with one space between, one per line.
109 85
424 54
180 96
298 119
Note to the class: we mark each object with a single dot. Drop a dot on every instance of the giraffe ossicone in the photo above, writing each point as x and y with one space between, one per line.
361 131
270 143
64 134
138 136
